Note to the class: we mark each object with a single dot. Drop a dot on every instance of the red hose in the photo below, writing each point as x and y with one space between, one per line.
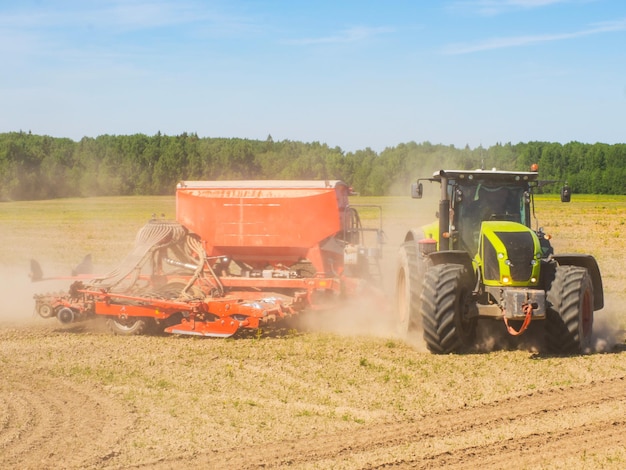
528 310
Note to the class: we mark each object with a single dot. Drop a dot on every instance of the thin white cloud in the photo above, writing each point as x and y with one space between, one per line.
87 32
497 7
108 15
147 15
354 34
518 41
115 16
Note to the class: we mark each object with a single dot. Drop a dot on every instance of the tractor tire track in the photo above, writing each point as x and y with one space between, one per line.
531 451
48 423
529 429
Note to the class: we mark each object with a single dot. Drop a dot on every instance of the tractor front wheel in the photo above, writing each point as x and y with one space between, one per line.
448 314
408 290
569 316
130 326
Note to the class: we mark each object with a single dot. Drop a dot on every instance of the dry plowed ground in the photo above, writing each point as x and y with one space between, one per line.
548 425
332 391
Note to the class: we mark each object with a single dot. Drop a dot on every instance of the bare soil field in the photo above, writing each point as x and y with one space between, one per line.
338 390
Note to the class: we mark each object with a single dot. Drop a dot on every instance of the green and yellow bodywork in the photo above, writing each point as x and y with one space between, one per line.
509 254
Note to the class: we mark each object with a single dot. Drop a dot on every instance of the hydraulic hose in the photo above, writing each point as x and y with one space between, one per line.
528 310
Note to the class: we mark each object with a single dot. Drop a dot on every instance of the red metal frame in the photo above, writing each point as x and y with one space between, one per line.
268 226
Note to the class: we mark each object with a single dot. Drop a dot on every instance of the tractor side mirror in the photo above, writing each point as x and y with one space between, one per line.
566 193
417 190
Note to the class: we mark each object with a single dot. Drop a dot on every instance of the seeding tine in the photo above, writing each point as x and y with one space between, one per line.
85 266
36 273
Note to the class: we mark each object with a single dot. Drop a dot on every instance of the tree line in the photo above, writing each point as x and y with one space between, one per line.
43 167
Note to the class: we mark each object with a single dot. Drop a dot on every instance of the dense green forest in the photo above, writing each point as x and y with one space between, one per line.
43 167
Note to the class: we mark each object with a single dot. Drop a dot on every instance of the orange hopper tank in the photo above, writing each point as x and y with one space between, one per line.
266 222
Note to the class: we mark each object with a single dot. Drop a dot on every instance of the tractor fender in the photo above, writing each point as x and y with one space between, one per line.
414 235
425 232
423 241
454 257
588 262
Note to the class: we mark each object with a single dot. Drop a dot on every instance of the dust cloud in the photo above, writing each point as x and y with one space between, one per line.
607 336
372 312
17 308
16 291
358 318
609 325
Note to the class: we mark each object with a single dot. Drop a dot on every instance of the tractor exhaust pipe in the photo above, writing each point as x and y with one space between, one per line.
444 215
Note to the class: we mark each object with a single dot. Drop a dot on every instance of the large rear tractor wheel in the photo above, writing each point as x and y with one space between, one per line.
131 326
569 316
448 313
408 290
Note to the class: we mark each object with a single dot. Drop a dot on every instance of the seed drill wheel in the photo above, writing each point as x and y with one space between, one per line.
408 290
447 308
46 311
139 325
569 316
130 326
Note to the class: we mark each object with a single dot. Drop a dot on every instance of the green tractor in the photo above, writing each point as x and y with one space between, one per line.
482 259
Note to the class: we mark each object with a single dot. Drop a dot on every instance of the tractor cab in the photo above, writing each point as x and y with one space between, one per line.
469 198
482 259
477 202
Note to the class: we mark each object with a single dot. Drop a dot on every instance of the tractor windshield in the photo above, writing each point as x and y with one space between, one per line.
476 203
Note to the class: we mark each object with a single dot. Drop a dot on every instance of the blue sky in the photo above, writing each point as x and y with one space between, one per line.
352 73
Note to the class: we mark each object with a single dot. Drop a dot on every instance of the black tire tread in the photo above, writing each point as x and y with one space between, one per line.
562 330
442 284
409 263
